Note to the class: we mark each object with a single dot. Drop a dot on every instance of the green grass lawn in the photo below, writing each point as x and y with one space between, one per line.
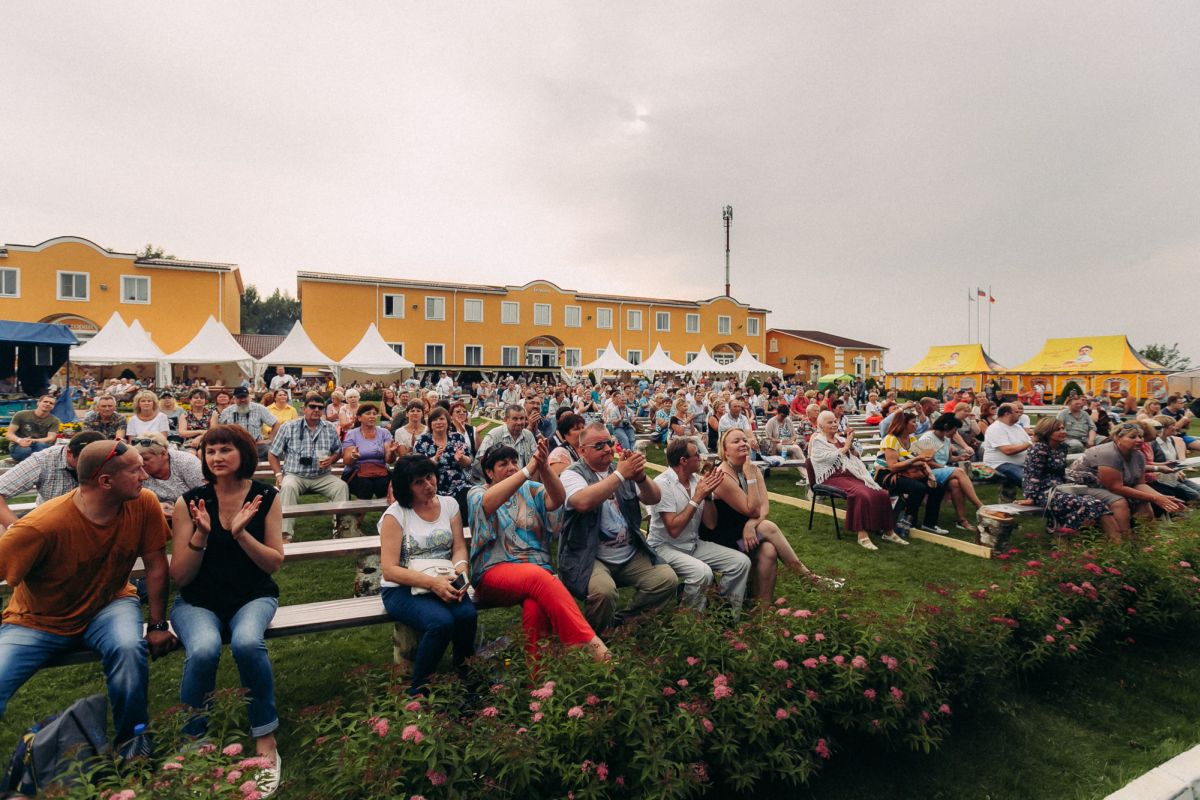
1069 732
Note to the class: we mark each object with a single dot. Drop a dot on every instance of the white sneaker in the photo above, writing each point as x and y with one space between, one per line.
894 538
867 544
268 779
934 529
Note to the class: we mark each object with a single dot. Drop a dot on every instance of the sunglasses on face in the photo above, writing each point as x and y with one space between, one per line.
598 446
315 406
119 449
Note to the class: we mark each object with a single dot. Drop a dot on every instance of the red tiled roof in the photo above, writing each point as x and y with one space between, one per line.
258 344
828 339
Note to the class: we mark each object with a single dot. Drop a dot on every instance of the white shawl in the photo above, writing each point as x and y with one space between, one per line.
827 458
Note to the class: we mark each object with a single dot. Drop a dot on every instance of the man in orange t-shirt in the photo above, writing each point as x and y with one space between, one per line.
68 563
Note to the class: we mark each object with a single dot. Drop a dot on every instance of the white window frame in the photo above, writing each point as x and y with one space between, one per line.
875 366
125 299
394 345
516 355
629 312
631 354
860 366
470 303
568 312
435 344
689 357
397 302
659 316
439 303
467 361
752 326
568 352
515 308
549 314
16 281
604 310
600 351
691 323
87 286
724 325
773 346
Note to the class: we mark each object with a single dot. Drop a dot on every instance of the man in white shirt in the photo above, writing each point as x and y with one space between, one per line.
1004 446
735 417
675 528
283 381
445 386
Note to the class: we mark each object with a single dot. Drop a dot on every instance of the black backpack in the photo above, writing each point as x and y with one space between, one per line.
58 744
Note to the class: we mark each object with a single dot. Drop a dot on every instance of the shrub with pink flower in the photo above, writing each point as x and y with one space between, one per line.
412 733
575 712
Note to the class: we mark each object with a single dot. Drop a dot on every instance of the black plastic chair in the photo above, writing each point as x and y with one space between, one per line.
825 491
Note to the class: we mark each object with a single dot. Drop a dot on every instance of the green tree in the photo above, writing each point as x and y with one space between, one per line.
154 251
1167 355
275 314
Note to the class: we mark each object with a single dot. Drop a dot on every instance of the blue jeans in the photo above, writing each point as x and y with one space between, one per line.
1011 473
624 435
200 632
439 623
20 453
115 633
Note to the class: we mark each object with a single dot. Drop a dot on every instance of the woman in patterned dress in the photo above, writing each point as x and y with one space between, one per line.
1045 469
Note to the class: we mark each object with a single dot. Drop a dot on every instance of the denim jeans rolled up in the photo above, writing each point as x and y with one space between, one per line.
438 623
624 434
115 633
200 631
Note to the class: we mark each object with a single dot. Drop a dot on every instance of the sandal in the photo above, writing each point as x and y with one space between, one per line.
964 525
867 544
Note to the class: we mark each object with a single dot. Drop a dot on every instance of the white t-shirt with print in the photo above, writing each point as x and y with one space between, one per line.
423 539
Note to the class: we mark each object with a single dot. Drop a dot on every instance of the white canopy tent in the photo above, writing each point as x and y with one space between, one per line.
297 350
746 365
214 354
1179 382
608 361
660 362
162 374
371 360
119 345
704 363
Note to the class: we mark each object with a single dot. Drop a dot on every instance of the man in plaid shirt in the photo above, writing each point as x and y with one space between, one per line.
51 472
309 446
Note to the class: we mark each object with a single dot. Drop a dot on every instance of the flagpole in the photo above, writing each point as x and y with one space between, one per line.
990 301
978 330
968 315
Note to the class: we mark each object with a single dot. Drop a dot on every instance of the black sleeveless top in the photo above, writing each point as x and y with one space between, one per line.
730 524
228 578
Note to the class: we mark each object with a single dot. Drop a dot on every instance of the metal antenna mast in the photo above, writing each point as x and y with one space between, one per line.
727 215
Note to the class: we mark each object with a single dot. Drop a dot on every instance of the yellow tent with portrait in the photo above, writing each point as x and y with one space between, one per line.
1098 364
947 366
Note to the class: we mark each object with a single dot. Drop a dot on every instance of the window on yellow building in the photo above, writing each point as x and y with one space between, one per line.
435 308
435 354
633 320
724 326
393 306
604 318
135 289
633 356
692 323
572 316
397 347
874 366
573 356
473 355
510 313
662 321
689 357
72 286
10 283
472 311
541 314
510 356
751 326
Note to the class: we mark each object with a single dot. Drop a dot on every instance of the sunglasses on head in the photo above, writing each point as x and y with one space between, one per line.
119 449
147 442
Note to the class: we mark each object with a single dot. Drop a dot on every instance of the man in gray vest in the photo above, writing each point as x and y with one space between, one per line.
602 546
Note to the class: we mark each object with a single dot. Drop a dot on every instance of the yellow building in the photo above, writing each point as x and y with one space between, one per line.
537 325
75 282
811 354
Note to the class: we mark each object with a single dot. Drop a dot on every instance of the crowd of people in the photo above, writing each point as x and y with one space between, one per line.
564 464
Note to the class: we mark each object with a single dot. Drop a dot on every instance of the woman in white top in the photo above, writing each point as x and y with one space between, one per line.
407 433
146 417
430 597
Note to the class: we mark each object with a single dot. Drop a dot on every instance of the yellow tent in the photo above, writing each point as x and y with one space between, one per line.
954 366
1099 364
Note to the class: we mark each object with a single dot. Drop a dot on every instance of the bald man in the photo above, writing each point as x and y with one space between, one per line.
68 563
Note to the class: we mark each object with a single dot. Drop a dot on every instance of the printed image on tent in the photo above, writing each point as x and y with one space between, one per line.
1099 364
952 366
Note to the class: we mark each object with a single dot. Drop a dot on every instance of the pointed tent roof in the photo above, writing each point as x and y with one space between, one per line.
609 361
703 362
113 344
660 362
1088 354
371 358
747 364
953 359
214 345
138 331
297 350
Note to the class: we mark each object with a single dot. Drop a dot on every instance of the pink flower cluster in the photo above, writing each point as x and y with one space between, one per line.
412 733
575 712
822 749
379 726
721 688
545 692
858 662
889 662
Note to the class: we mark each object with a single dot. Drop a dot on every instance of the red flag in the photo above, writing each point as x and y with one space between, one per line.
991 299
981 292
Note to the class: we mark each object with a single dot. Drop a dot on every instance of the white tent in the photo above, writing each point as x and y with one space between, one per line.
1187 381
118 345
371 360
608 361
703 363
297 350
214 354
162 371
660 362
746 364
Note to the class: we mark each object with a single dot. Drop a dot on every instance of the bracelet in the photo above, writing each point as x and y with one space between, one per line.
463 562
694 504
195 548
751 481
525 472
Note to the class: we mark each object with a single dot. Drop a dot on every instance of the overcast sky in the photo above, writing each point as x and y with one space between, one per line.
880 158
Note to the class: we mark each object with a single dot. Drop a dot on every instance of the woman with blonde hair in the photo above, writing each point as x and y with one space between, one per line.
146 417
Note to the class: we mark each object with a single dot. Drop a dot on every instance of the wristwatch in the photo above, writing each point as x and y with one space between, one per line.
157 626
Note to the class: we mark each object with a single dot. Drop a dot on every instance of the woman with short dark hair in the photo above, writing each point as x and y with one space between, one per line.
447 449
367 450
